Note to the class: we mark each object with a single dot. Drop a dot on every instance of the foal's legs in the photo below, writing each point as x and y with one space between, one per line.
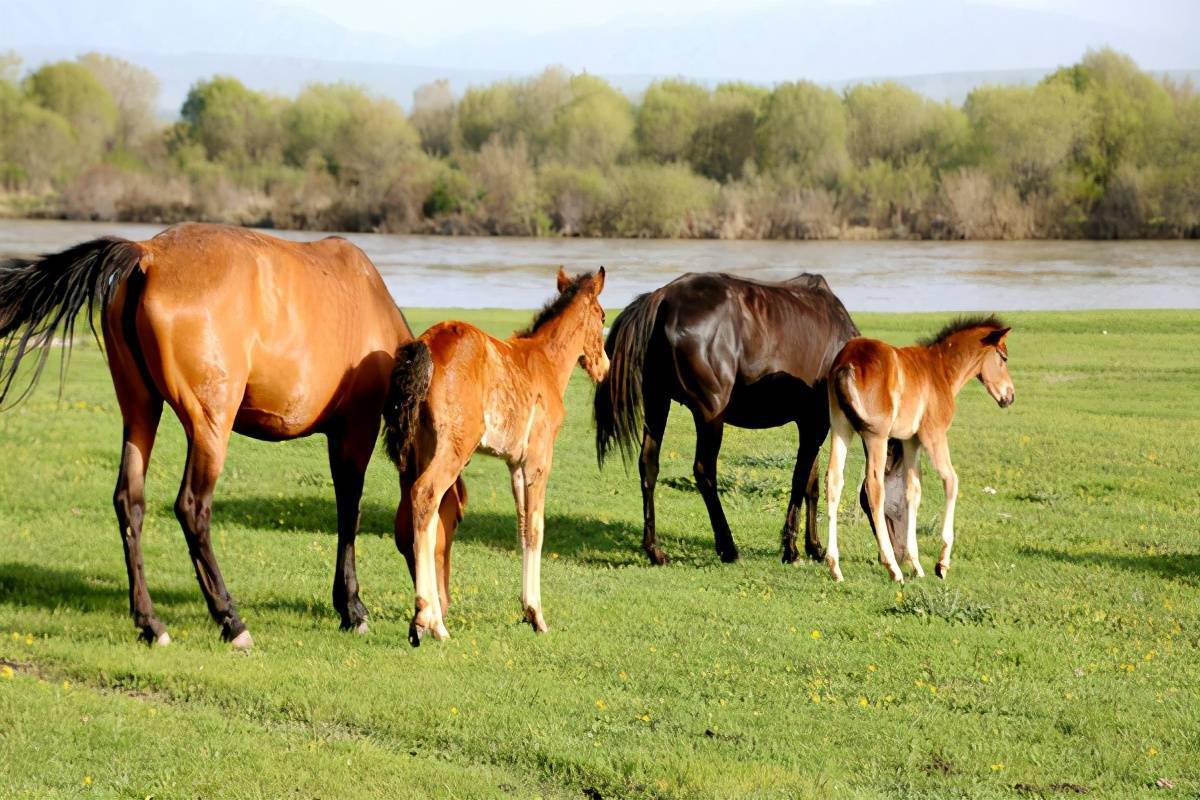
834 480
912 496
534 511
804 489
129 500
349 454
193 508
708 447
939 454
450 512
657 407
427 493
876 461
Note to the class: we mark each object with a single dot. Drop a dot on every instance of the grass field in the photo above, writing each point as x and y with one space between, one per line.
1062 655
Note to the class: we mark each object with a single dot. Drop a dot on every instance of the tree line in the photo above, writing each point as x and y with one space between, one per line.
1099 149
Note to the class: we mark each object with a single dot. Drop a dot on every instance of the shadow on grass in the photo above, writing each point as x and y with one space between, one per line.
305 514
32 585
582 539
1182 567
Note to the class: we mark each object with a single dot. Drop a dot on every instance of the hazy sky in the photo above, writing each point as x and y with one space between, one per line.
424 22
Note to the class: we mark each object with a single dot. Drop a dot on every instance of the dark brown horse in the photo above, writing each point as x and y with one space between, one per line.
743 352
235 331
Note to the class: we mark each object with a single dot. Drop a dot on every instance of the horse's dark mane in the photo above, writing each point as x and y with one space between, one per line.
558 305
961 324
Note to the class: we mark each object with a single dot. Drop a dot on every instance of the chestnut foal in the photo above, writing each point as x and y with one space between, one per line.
456 391
908 393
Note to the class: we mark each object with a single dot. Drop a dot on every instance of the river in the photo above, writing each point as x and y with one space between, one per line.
483 272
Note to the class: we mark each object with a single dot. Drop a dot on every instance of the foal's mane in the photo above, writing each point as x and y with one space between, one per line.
557 305
961 324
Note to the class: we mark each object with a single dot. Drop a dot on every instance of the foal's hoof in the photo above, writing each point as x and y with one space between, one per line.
163 640
361 628
536 620
415 633
941 569
657 557
439 631
242 641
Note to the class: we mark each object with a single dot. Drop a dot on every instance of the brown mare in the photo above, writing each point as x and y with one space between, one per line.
908 393
235 331
457 391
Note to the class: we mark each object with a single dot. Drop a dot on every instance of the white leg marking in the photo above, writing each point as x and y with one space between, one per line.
833 496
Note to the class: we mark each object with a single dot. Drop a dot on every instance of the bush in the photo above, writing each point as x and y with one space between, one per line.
661 201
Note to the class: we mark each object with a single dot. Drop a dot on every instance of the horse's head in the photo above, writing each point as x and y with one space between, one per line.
993 370
587 304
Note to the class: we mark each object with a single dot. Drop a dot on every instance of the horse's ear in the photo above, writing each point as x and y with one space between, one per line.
996 337
598 281
564 280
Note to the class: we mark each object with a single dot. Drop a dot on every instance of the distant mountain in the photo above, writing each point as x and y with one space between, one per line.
280 49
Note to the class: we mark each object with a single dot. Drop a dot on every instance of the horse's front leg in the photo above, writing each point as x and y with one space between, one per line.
349 454
939 454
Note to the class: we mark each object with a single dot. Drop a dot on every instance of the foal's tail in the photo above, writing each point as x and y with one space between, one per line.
402 411
40 301
845 392
618 403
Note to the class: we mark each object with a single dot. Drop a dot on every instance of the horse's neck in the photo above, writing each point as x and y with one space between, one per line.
558 342
956 360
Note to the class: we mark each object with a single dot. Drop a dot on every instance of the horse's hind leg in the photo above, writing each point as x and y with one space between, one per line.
876 462
657 407
805 489
193 508
141 424
349 454
708 447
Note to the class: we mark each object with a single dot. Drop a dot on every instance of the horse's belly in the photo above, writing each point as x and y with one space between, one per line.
770 402
274 417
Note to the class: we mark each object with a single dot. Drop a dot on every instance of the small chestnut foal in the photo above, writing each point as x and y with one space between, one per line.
908 393
456 391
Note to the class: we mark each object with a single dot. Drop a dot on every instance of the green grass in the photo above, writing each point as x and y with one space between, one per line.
1062 654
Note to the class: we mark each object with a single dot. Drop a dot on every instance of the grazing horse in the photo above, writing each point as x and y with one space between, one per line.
747 353
457 391
883 392
235 331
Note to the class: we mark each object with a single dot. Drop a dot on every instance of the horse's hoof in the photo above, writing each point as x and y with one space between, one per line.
242 641
657 557
163 639
728 556
439 631
817 555
361 628
415 634
536 620
940 570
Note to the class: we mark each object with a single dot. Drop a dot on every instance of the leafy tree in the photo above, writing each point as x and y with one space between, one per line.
595 127
234 125
668 117
134 91
433 116
803 132
482 112
723 142
1026 134
77 96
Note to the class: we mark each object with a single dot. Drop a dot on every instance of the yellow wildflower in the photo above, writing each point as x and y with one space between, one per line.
815 635
862 701
453 711
600 704
87 780
997 767
870 667
1152 752
6 672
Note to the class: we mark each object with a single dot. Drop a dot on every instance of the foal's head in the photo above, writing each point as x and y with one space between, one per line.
587 305
993 370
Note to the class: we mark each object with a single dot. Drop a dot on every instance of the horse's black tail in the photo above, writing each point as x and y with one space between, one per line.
402 411
618 404
40 301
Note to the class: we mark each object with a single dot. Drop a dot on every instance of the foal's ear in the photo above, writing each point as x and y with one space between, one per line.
564 280
996 337
598 281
